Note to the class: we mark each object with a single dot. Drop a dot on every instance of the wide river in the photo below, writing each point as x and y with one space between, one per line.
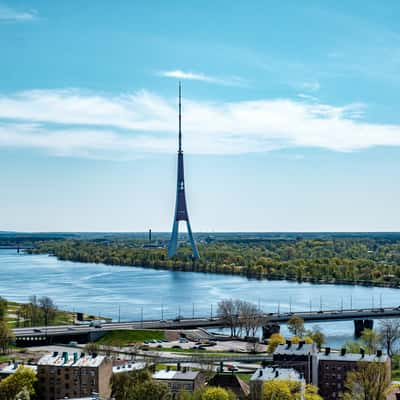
124 291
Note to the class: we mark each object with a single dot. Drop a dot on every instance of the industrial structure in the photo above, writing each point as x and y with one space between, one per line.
181 213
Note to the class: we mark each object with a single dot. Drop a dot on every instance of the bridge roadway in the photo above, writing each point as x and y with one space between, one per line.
190 323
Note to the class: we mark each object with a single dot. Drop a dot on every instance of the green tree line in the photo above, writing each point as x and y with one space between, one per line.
347 260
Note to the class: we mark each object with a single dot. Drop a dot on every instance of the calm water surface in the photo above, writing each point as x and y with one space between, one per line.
100 289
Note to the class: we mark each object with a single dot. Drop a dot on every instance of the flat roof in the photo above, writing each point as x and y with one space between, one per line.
11 368
82 361
176 375
268 373
128 367
355 357
295 349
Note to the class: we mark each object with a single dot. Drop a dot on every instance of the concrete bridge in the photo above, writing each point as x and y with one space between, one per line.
363 318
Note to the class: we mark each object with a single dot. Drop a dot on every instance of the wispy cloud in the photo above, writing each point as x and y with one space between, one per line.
12 15
312 86
73 122
227 81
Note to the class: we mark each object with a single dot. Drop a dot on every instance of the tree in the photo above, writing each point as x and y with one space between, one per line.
370 338
48 307
6 337
249 317
352 347
312 393
23 395
389 334
371 381
92 347
295 340
318 337
23 379
296 326
138 385
184 395
215 393
274 341
150 390
227 312
276 390
3 308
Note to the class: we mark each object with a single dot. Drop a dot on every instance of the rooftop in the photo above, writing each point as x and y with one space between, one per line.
176 375
295 349
128 367
71 360
344 356
268 373
11 368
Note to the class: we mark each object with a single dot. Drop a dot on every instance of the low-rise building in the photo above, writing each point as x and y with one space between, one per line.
178 381
271 373
302 357
73 376
334 366
10 368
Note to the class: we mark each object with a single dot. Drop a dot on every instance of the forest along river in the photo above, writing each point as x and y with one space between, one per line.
102 290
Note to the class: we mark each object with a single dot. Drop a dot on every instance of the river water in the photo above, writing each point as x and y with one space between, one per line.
123 292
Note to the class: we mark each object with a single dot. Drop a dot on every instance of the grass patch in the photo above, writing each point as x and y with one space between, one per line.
125 337
244 377
5 358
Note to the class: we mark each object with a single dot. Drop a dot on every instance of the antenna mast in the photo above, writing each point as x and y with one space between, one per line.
180 120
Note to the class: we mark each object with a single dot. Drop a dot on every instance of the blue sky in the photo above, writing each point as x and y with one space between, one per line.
290 115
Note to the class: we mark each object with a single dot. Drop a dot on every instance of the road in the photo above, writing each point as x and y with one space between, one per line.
314 316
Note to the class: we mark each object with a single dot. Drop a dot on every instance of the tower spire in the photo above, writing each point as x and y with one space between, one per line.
180 119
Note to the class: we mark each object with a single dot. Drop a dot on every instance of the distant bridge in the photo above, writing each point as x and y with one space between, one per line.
83 333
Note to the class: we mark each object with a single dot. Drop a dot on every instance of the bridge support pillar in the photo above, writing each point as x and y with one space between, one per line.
360 325
269 329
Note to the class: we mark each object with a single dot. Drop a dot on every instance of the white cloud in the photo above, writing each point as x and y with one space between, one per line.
179 74
9 14
72 122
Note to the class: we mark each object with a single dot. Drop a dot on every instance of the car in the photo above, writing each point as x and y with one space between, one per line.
37 330
70 328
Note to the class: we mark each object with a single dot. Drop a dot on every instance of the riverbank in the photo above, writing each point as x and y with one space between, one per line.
16 316
346 261
240 271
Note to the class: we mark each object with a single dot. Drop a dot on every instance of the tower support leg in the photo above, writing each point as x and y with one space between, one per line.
195 252
173 243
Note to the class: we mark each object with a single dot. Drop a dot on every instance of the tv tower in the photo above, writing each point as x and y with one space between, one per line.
181 213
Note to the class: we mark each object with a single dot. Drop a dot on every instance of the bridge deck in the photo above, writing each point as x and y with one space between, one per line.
187 323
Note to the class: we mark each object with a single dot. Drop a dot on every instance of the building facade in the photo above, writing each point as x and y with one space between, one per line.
178 381
334 366
73 375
